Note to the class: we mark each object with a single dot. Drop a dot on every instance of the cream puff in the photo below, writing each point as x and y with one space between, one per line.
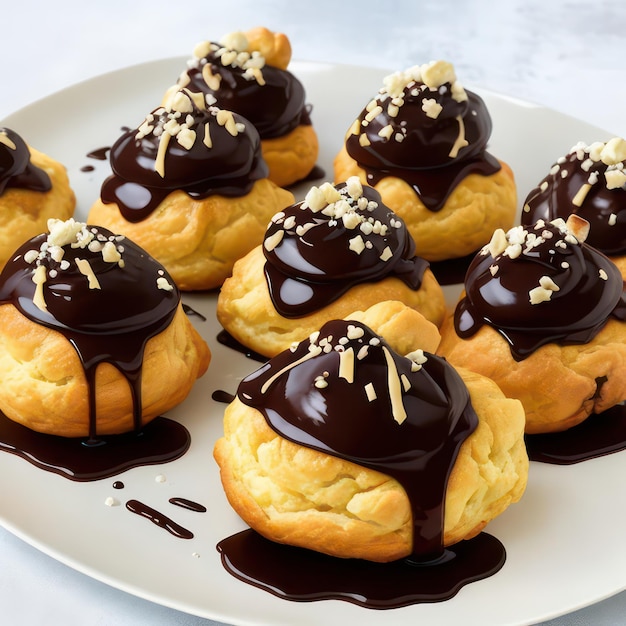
338 251
33 189
93 337
343 446
247 72
421 142
190 186
543 316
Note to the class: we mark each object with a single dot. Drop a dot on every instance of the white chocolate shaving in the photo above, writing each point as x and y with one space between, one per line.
461 141
370 392
273 240
313 352
581 194
159 162
84 267
346 365
498 243
395 388
39 278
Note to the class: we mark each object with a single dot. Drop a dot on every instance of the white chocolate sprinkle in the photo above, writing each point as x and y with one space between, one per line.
461 141
370 392
346 365
5 140
273 240
164 284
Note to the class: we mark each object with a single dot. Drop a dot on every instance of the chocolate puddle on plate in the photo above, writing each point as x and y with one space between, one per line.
303 576
160 441
600 434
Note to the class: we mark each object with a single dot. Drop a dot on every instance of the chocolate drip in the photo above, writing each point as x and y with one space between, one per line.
275 106
602 207
317 396
16 169
434 186
589 291
111 324
315 261
159 519
228 164
403 136
190 505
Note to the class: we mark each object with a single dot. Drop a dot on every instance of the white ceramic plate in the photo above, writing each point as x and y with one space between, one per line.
564 540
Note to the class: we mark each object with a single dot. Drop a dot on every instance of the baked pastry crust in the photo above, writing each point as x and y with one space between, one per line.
25 213
295 495
274 47
476 207
559 385
245 308
291 158
199 240
44 386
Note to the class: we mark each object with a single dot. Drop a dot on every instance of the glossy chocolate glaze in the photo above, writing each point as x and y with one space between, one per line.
603 206
305 576
160 441
274 103
312 256
344 392
429 134
16 169
205 150
111 323
589 290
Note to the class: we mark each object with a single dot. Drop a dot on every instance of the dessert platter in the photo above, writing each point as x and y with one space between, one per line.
154 529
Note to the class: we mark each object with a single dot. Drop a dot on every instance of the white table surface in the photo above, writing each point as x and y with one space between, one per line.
564 54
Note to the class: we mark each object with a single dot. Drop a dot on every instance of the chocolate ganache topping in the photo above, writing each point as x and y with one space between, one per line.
105 294
541 284
185 145
337 237
424 128
240 79
345 392
589 181
16 169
